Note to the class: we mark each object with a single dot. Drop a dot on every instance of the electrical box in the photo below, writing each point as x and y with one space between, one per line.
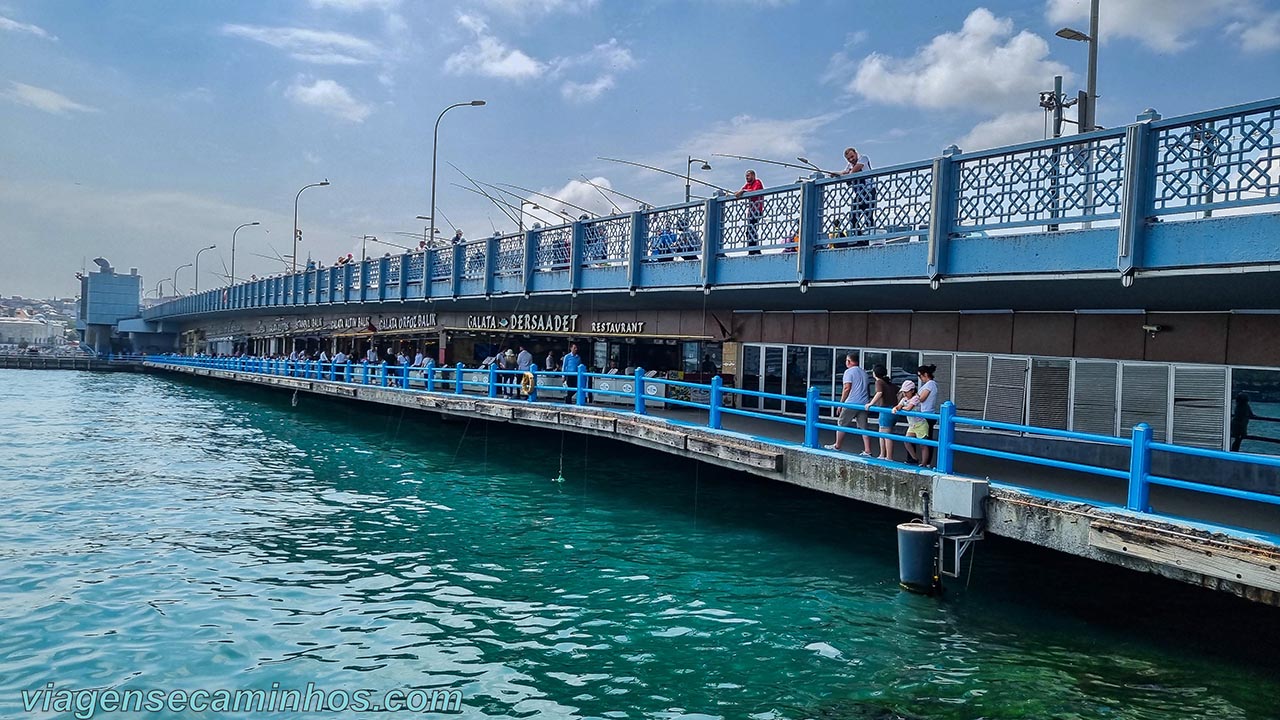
959 497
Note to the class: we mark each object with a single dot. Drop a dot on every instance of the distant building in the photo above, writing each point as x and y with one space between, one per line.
106 298
32 331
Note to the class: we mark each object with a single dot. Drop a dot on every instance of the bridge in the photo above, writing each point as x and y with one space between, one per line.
1188 540
1169 213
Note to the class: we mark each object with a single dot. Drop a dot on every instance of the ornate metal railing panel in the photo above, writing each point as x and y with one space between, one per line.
675 232
554 246
761 220
442 263
510 255
892 203
413 269
473 256
606 241
1217 162
1044 185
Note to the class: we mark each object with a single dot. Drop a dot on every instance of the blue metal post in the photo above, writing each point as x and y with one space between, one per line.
490 263
530 255
533 392
404 374
346 372
810 230
639 390
942 203
383 373
1139 469
575 255
1135 193
457 379
711 240
364 373
636 257
717 398
455 281
493 380
431 376
811 418
946 436
581 397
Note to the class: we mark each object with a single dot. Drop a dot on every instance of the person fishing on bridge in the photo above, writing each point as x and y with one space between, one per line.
861 213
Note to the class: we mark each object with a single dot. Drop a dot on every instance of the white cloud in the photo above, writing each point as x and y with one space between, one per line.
610 56
525 8
1261 35
42 99
983 66
586 92
490 57
1006 129
1159 24
354 5
330 98
323 47
14 26
758 137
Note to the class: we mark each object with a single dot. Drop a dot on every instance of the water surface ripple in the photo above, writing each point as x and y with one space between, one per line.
168 534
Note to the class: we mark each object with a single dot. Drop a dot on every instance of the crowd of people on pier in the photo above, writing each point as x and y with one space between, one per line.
888 402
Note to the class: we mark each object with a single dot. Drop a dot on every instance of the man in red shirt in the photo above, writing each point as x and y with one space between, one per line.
755 209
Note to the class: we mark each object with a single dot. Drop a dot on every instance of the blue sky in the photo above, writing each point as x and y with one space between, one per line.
143 130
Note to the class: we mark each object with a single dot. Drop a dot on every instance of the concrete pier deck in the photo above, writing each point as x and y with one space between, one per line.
1080 515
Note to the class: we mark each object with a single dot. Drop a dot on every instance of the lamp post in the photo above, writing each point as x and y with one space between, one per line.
435 140
197 289
174 279
294 258
688 166
233 248
159 294
1089 121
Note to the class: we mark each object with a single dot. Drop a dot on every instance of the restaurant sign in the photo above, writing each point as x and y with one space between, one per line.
537 322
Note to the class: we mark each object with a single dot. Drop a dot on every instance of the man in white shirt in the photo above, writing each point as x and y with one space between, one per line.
861 214
854 393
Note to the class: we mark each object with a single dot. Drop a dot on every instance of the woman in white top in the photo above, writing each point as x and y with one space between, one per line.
927 402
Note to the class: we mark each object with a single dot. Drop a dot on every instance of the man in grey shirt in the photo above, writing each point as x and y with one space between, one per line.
854 393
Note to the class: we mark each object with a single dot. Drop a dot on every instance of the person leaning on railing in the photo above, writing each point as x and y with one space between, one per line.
755 210
862 211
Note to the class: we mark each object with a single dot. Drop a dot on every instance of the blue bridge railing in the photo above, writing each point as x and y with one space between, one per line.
1100 201
635 393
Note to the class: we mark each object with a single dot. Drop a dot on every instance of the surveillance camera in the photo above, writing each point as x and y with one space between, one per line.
1152 328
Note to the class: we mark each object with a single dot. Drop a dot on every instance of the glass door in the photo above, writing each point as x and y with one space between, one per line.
751 379
773 376
797 377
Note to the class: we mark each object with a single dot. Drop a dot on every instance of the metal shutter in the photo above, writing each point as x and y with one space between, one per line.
1007 397
971 385
1199 406
1094 401
1144 398
1050 400
942 376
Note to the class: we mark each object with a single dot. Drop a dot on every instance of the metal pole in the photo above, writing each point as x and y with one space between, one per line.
197 289
687 172
1093 67
233 249
435 141
174 279
294 258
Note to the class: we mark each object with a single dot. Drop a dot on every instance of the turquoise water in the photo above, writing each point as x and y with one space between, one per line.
172 534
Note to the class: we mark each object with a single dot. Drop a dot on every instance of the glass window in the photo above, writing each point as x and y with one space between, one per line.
797 380
821 366
691 362
1255 411
872 358
903 366
773 371
751 375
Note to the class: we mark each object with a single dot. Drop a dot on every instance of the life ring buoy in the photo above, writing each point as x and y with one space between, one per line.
527 382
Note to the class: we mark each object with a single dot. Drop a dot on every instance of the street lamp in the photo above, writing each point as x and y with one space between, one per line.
174 279
294 258
197 289
233 249
160 294
435 139
688 166
1088 122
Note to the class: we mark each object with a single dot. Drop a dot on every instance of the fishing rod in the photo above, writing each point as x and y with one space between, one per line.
665 172
815 167
501 204
481 191
551 197
607 199
635 200
523 201
748 158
